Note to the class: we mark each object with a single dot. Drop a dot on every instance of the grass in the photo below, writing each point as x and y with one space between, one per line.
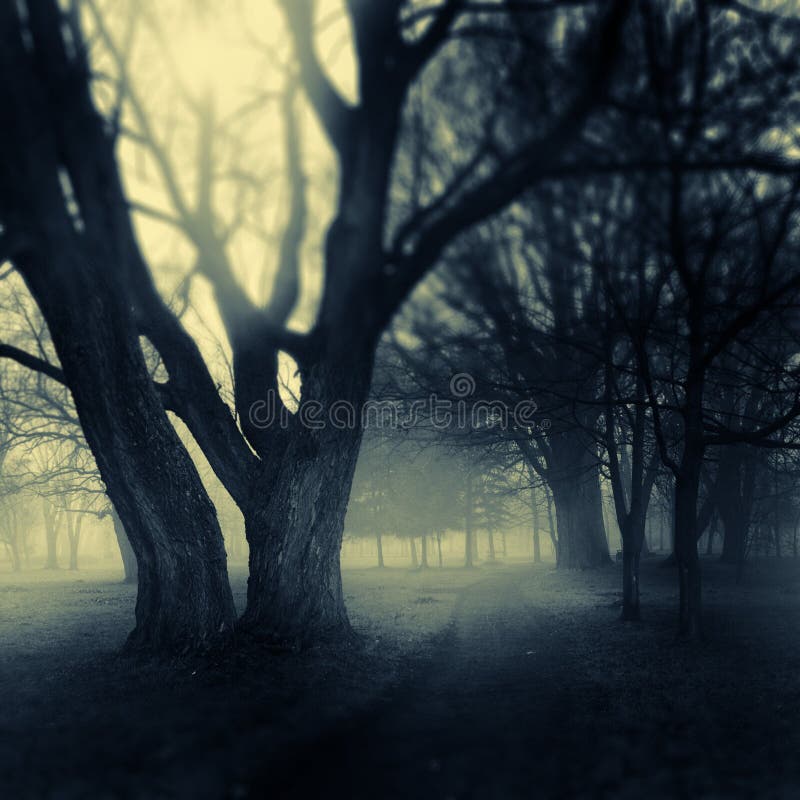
715 718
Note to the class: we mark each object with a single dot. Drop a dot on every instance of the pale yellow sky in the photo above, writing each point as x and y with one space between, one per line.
236 51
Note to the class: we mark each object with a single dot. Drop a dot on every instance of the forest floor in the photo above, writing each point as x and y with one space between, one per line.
498 682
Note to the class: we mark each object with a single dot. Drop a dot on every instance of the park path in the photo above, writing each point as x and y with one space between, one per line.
473 722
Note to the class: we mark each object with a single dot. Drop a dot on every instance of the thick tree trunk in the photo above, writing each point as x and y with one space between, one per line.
184 599
579 515
573 477
424 550
294 592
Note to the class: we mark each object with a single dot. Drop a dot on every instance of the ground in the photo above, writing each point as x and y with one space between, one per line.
499 682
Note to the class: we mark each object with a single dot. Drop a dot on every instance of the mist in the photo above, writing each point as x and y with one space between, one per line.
399 399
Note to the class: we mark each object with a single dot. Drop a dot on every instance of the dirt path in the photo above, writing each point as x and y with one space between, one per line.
535 690
469 725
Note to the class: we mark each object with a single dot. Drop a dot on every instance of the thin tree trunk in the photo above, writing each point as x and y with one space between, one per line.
689 580
51 536
490 537
551 524
74 523
439 547
468 531
414 558
379 542
537 545
424 550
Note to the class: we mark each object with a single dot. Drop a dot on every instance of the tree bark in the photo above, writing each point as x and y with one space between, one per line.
687 489
579 516
294 592
573 477
126 551
78 268
184 599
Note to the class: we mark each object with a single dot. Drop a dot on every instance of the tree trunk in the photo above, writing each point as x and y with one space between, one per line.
16 562
379 542
414 558
126 551
573 477
439 546
469 560
184 599
712 529
686 491
579 516
424 550
551 523
294 521
51 536
492 554
294 592
537 545
74 524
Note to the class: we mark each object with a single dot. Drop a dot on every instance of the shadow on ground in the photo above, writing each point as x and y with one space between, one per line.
502 683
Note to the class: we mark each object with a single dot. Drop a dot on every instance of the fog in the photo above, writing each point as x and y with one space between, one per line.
399 398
